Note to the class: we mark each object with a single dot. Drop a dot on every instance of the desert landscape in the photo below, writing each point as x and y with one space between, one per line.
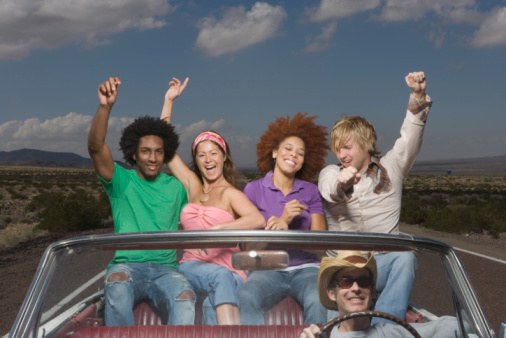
36 201
41 205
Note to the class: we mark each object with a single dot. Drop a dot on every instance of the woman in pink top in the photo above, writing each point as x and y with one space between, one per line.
214 203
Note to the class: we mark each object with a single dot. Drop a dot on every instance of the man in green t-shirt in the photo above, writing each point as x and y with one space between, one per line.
142 199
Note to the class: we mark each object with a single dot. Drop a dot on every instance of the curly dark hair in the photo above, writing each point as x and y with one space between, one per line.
314 137
230 171
145 126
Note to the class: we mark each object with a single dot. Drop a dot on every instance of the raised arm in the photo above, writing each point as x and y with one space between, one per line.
100 154
175 89
177 167
408 145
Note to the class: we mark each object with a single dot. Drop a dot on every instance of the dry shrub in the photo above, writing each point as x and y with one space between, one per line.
16 233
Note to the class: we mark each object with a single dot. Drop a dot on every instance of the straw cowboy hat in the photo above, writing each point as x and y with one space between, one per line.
345 259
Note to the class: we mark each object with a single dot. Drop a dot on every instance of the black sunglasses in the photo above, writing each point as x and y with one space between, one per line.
347 282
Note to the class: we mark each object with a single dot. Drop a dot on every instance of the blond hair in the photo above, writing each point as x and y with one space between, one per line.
356 128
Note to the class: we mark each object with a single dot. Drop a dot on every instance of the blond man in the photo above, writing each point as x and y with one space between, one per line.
363 192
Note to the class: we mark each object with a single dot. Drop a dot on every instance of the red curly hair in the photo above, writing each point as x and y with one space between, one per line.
313 135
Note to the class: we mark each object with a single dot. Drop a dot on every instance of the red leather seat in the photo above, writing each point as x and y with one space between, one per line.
145 315
286 312
199 331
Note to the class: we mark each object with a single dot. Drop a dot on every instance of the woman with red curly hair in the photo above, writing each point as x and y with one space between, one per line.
290 154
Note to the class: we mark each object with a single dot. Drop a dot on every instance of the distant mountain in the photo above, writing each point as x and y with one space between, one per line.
41 158
482 166
33 157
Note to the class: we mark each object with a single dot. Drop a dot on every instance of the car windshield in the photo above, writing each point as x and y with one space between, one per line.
67 295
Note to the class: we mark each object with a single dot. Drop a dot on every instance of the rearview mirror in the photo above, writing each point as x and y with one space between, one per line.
260 260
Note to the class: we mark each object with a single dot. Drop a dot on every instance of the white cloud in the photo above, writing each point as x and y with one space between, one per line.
437 36
442 13
338 9
492 24
493 30
322 41
404 10
239 29
395 10
63 134
69 133
28 24
465 16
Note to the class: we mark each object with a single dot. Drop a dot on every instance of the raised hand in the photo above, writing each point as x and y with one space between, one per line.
417 83
108 91
348 177
176 88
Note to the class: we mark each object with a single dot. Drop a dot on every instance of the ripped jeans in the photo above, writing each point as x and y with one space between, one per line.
160 283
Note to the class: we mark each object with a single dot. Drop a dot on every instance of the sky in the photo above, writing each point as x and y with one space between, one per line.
250 62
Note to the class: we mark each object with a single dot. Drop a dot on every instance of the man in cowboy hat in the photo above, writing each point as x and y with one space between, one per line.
347 283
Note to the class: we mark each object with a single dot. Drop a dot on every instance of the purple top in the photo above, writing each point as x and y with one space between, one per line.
270 201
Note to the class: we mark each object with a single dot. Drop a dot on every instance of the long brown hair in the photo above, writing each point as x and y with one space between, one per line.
230 171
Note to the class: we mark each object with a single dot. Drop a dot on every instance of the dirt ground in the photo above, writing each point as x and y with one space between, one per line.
19 263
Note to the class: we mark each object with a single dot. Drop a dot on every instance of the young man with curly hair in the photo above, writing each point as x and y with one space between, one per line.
363 193
290 154
142 199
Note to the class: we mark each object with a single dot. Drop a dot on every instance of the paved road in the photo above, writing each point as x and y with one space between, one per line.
489 279
488 276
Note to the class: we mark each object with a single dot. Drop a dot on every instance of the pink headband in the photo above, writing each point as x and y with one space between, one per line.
209 136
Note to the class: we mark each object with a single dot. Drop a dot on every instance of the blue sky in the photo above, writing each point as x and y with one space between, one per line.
252 61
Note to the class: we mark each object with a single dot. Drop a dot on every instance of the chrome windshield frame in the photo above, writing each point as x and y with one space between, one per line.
29 315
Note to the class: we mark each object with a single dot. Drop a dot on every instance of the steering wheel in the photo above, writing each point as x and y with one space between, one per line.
328 327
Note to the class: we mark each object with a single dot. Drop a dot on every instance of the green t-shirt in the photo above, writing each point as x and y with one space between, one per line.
140 206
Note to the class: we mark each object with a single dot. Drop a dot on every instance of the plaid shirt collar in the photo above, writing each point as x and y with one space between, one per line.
379 175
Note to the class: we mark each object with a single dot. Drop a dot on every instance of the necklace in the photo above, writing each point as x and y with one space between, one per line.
204 197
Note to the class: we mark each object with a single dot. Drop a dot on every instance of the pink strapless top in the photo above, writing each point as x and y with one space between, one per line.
200 217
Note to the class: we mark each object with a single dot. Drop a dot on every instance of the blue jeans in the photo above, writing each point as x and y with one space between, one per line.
264 289
396 275
217 282
160 283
